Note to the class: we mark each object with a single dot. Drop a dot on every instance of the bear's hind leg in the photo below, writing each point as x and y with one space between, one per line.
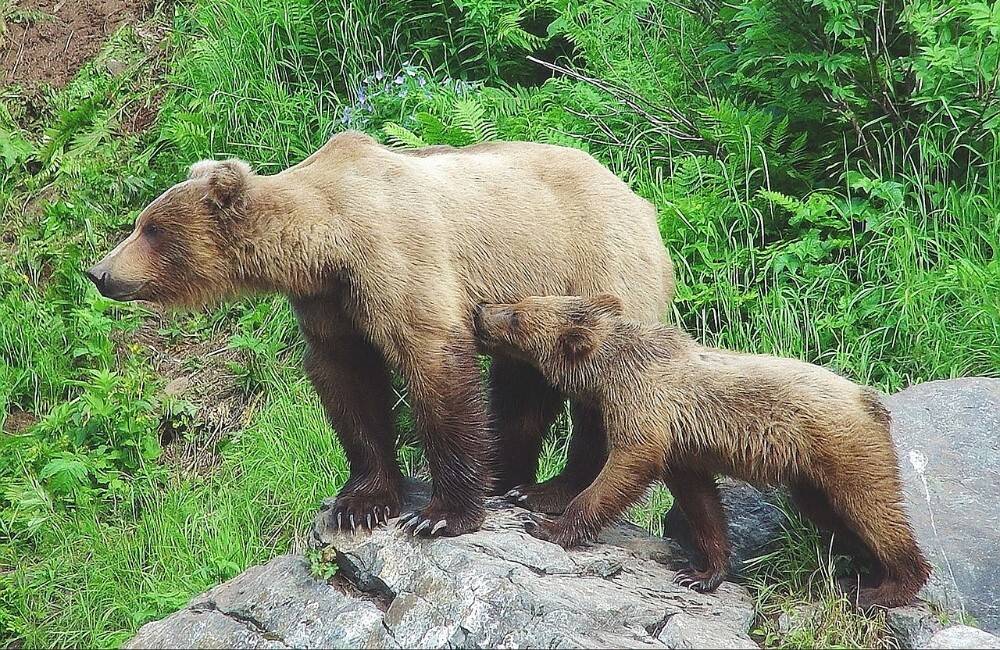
353 384
523 406
873 512
588 452
697 495
813 504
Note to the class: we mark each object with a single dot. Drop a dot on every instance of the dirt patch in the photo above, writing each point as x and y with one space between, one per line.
48 41
204 403
141 116
19 421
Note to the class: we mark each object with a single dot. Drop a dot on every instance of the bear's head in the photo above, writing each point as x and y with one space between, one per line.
556 334
185 249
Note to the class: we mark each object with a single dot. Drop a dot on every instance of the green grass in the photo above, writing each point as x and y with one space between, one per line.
886 271
174 538
797 600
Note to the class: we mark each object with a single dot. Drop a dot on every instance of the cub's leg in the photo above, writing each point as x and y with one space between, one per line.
871 509
622 482
450 409
813 504
524 407
697 495
588 453
354 387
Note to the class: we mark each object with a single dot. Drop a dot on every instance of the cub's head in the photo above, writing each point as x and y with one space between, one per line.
556 334
184 248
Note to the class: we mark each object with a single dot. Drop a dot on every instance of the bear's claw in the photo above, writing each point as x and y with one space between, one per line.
550 530
700 581
358 511
415 524
550 497
434 520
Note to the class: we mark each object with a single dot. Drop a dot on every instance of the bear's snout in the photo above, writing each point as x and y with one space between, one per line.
111 286
489 320
479 319
98 276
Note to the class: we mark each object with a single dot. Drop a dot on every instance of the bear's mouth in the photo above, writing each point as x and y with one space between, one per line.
484 326
131 295
115 289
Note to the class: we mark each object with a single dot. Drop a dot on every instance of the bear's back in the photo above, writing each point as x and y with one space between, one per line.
757 411
510 218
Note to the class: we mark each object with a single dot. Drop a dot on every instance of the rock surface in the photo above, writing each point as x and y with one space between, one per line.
912 626
495 587
501 586
947 436
963 636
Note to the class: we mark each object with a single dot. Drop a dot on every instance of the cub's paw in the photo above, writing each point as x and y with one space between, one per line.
700 581
550 497
434 521
872 599
352 512
551 530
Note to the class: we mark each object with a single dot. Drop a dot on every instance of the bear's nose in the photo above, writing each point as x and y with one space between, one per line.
98 276
478 312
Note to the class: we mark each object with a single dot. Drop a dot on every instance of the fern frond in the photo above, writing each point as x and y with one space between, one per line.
402 136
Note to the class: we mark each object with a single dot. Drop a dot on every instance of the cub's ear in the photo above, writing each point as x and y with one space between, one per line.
578 342
607 303
227 180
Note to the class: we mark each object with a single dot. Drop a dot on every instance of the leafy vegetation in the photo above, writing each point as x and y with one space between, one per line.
825 174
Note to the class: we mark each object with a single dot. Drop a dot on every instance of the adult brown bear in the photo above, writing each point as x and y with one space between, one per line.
383 255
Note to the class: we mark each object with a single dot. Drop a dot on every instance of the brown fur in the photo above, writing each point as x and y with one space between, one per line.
682 412
383 254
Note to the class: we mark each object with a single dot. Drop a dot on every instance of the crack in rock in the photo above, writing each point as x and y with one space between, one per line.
249 622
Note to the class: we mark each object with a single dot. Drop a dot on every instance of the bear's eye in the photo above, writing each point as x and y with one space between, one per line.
515 320
152 230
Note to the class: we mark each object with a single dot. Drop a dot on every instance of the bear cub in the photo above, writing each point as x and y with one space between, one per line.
683 413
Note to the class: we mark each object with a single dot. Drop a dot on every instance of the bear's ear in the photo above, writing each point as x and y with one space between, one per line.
578 342
608 304
227 180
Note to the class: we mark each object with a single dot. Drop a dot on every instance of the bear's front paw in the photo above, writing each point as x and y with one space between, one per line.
551 497
435 520
353 511
700 581
552 530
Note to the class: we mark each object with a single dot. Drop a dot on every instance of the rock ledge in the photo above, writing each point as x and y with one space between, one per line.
496 587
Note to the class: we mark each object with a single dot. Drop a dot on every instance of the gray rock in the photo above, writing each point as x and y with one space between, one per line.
755 520
496 587
686 631
913 626
963 636
277 605
947 435
799 617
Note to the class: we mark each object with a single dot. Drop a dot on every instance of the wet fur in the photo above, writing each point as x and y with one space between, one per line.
684 413
383 254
